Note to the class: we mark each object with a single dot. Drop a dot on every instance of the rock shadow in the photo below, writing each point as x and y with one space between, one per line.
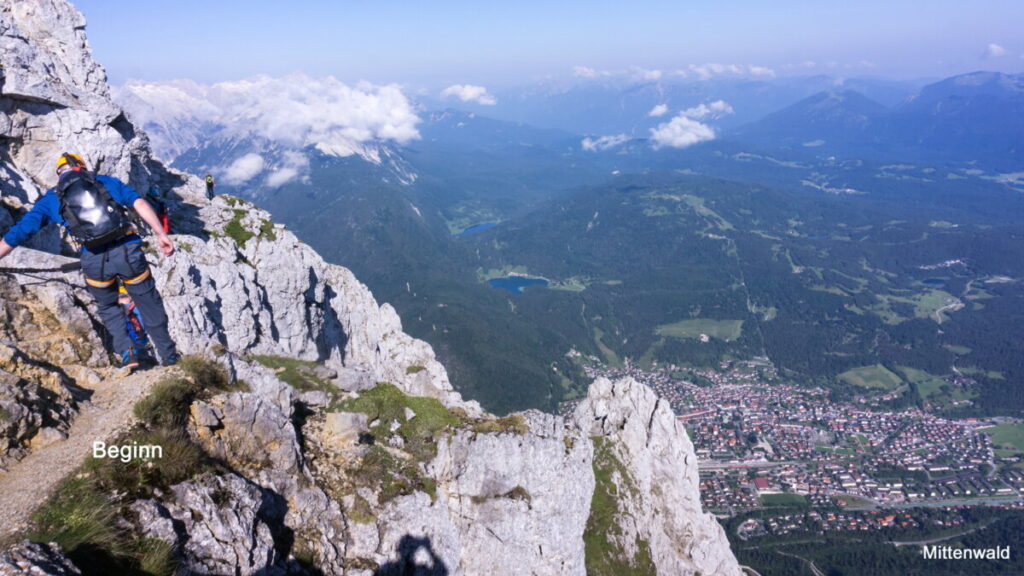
411 563
183 216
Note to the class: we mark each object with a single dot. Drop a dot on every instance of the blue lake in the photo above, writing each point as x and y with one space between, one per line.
516 284
818 237
937 282
475 228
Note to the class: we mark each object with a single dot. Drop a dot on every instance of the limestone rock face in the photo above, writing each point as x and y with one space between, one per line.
519 503
272 294
661 503
228 522
49 72
34 559
39 358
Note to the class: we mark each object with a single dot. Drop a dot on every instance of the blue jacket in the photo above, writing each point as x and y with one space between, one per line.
47 210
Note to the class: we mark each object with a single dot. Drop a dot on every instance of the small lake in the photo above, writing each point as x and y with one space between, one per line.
936 282
516 284
818 237
475 228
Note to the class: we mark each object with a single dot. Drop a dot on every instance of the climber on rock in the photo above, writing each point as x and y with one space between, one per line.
92 208
209 186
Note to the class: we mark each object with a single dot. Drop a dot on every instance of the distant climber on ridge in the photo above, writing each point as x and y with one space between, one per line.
209 186
89 206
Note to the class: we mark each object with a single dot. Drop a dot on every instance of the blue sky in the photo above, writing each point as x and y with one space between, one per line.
443 42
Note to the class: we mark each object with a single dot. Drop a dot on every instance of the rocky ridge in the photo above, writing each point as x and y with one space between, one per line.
320 466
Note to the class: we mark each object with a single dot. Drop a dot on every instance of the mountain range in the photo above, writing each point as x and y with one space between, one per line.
391 210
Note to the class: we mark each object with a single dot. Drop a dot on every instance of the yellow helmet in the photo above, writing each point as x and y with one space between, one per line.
68 158
121 290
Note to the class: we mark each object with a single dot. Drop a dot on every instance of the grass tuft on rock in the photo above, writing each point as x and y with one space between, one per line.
391 476
76 515
604 555
156 557
512 424
361 511
385 404
298 374
83 520
168 402
208 375
180 460
517 493
234 229
267 231
83 514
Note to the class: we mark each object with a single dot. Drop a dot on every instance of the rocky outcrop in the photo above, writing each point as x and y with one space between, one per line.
651 462
40 358
49 72
518 502
222 525
339 475
35 559
254 288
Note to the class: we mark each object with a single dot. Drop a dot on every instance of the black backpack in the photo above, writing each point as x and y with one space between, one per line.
92 215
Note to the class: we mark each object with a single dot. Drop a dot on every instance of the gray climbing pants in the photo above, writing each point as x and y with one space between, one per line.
127 262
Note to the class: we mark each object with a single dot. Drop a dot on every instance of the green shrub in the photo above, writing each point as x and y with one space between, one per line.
181 460
415 369
83 520
76 515
236 231
167 404
234 201
207 374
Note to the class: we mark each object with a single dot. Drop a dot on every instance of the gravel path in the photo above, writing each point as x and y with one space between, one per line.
29 482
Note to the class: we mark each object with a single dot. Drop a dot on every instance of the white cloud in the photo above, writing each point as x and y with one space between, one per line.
243 169
293 165
281 176
681 132
659 110
470 93
995 51
295 110
715 110
584 72
761 71
604 142
645 75
714 69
